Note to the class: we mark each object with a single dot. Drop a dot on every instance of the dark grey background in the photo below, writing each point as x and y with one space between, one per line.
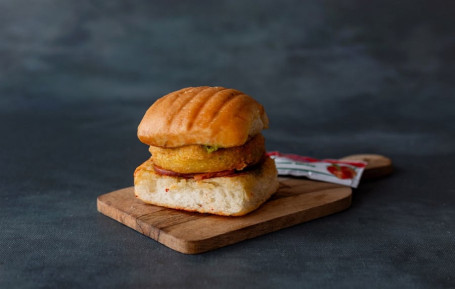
336 78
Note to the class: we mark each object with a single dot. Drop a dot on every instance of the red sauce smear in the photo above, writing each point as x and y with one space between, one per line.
198 176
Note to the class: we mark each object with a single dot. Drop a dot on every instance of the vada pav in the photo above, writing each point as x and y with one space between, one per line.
208 153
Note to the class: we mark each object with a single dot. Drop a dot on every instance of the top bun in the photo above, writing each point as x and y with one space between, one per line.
213 116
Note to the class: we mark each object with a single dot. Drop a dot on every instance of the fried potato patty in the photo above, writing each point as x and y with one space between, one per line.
198 159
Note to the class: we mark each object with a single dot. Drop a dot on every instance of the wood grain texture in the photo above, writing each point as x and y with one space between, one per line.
378 165
296 201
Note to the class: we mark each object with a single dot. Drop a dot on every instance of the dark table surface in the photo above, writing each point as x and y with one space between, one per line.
336 78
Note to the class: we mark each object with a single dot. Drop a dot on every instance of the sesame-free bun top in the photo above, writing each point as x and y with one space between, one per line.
213 116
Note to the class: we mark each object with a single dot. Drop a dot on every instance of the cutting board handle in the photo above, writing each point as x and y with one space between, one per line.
377 165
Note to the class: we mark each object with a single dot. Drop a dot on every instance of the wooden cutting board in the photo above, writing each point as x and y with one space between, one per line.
296 201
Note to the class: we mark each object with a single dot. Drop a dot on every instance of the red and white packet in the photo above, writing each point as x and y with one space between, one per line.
328 170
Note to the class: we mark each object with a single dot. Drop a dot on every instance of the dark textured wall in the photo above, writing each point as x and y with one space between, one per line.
336 78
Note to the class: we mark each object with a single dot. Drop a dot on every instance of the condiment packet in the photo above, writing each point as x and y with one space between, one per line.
346 173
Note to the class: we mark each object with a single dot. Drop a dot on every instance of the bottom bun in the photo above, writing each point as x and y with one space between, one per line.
228 196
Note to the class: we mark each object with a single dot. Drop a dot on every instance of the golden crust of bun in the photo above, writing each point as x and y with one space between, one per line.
228 196
196 158
214 116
